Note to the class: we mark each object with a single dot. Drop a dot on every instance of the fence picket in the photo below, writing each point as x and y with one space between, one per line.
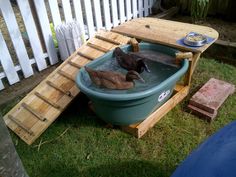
121 11
107 16
128 9
89 17
140 8
97 10
79 15
67 10
146 8
151 4
46 30
15 34
1 85
56 18
114 13
32 34
135 8
114 7
7 63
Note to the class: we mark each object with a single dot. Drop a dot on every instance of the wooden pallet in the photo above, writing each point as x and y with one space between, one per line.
36 112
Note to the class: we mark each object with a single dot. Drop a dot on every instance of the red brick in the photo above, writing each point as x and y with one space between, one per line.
202 114
212 95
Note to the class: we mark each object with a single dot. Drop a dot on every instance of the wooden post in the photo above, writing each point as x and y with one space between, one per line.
192 66
134 44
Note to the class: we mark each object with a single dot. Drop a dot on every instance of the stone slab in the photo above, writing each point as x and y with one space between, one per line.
212 95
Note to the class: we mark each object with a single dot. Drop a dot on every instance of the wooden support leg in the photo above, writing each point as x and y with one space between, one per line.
140 129
134 44
192 66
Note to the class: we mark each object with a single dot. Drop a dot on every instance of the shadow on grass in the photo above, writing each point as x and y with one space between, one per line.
79 114
125 169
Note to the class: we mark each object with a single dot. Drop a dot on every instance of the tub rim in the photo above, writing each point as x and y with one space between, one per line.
131 96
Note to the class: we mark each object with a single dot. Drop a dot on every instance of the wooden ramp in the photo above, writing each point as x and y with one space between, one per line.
36 112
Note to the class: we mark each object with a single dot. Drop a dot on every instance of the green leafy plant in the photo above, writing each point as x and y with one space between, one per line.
54 35
199 9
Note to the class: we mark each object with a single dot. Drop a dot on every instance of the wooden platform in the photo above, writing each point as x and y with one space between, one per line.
165 32
32 116
37 111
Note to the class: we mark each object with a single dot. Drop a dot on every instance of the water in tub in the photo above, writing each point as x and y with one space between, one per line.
160 65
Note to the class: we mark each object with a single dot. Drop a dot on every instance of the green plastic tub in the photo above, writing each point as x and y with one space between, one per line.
125 107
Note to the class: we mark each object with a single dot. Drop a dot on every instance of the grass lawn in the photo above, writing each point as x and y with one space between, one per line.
87 148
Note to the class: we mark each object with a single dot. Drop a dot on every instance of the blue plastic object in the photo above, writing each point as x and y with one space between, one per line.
216 157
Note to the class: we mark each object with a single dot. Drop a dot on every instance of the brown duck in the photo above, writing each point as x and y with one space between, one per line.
129 62
113 80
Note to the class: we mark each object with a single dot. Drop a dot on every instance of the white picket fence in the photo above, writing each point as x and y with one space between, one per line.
92 15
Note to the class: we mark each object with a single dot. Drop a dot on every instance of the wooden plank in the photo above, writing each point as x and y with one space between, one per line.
51 102
80 61
97 47
140 8
79 15
68 93
15 34
66 75
56 18
164 32
85 55
107 16
107 40
33 111
128 9
47 100
67 10
111 37
139 130
89 18
75 64
97 11
106 46
122 11
114 9
135 8
7 63
46 30
16 121
32 34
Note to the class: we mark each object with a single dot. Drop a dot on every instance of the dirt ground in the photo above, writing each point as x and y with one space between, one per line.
24 86
227 30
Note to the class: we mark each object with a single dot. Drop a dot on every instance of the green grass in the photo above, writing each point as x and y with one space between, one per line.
90 149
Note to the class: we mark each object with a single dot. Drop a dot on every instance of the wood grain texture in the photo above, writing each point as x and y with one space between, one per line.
50 98
164 32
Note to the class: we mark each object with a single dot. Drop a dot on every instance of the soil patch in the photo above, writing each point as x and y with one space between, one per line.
225 29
